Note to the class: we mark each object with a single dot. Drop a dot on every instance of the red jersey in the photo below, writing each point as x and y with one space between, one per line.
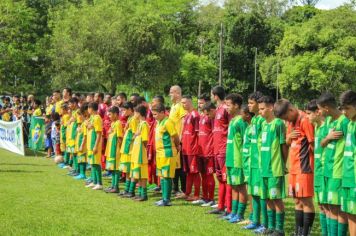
190 144
301 151
102 109
123 119
106 123
221 125
206 147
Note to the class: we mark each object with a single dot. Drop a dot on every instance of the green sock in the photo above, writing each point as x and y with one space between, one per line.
241 209
93 174
327 225
140 191
256 209
84 169
163 188
113 179
235 206
117 179
323 225
169 188
264 217
333 227
144 192
271 219
280 221
132 187
127 185
75 163
99 176
66 158
341 229
250 217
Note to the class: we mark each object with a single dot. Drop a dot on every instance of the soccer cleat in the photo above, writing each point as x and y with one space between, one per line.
228 216
122 193
91 185
129 195
98 187
60 165
158 202
198 202
214 206
141 199
79 177
164 203
216 212
157 189
208 204
180 195
192 199
251 226
277 233
263 230
151 186
235 219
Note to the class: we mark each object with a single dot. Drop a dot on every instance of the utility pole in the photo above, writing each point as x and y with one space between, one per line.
221 56
255 83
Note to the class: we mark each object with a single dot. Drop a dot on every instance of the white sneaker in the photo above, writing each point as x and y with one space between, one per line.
214 206
208 204
198 202
98 187
91 185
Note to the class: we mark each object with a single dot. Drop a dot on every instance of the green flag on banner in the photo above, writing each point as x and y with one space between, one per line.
36 136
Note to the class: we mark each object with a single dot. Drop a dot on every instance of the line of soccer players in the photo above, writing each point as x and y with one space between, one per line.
247 147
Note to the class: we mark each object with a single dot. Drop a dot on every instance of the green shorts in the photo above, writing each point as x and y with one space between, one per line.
254 183
70 149
235 176
273 188
348 200
332 191
82 158
318 194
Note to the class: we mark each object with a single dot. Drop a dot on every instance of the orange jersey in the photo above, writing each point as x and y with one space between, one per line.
301 151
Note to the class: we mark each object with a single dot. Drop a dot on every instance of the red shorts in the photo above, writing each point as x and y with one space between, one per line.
207 165
301 185
220 168
191 164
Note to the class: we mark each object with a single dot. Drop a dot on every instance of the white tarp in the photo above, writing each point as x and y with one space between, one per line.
11 137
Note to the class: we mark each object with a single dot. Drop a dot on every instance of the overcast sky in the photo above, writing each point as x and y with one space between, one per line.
323 4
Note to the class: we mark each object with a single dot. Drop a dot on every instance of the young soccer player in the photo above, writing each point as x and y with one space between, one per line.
94 139
259 206
320 133
334 144
37 108
300 139
207 153
139 162
348 204
80 141
234 159
71 134
112 152
221 123
274 152
64 122
190 149
126 147
167 150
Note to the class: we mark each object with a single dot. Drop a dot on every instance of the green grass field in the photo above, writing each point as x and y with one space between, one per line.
38 198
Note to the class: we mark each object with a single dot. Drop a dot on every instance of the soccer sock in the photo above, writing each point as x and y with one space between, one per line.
235 206
308 222
132 187
341 229
144 192
256 209
169 188
221 197
299 221
241 211
328 229
197 183
100 177
280 221
127 185
66 158
204 179
81 169
93 174
271 219
70 160
228 199
113 179
211 187
323 226
140 191
189 184
333 226
264 216
250 217
163 188
75 163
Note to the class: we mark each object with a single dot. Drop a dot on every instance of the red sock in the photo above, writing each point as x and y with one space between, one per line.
189 184
211 187
228 198
150 174
205 186
197 182
158 181
221 198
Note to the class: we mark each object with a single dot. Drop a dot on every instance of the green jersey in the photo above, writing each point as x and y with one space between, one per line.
255 132
273 135
246 150
320 134
349 162
235 135
334 151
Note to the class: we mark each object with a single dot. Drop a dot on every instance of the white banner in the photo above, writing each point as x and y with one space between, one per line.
11 137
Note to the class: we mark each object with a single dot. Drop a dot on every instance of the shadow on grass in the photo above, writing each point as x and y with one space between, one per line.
29 152
21 164
20 171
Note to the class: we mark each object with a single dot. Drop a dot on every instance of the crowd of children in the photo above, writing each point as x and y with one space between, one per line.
250 148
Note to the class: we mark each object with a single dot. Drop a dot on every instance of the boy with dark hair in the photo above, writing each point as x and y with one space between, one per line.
320 133
273 156
112 152
234 159
300 139
334 144
37 108
348 203
80 141
71 134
